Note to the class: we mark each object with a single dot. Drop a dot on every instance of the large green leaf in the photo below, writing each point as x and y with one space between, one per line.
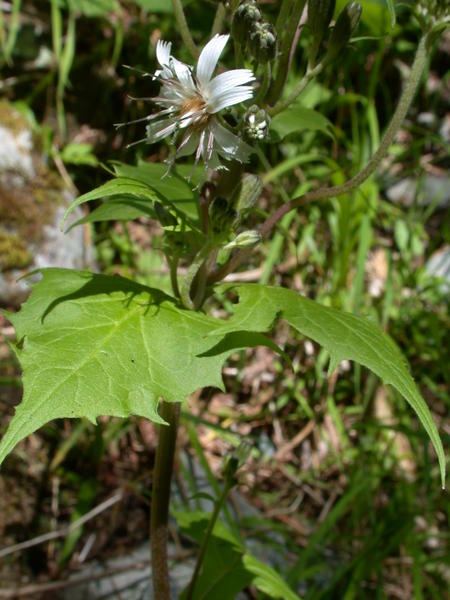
93 345
267 580
344 335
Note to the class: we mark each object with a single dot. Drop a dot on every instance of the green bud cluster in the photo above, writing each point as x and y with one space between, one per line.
320 13
234 461
222 216
253 33
244 17
246 194
263 42
433 12
246 239
256 124
346 23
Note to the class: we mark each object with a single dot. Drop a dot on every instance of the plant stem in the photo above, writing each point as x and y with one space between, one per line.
195 268
267 77
283 104
162 475
218 19
333 192
184 28
201 555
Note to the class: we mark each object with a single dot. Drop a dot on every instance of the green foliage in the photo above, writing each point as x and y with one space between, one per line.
137 343
228 568
344 335
94 345
296 119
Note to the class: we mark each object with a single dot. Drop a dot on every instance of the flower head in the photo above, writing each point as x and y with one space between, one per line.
190 101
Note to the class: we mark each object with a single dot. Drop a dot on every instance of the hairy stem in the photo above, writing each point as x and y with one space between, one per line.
267 77
196 268
332 192
162 475
218 19
201 555
184 28
299 88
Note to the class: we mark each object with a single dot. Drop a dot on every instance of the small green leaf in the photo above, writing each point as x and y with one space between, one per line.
391 8
172 187
79 154
118 209
267 580
344 335
121 186
228 568
297 118
223 575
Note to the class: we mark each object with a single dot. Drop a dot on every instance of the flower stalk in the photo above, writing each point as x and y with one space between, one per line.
162 475
184 28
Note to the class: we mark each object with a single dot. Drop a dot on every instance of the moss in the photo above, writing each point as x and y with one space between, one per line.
25 209
11 118
13 252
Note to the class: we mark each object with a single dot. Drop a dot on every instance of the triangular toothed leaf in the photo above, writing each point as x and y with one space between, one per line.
344 335
93 345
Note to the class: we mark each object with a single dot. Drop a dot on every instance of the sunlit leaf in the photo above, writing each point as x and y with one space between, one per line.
297 118
344 335
93 345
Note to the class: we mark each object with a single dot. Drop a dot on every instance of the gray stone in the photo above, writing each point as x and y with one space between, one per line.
430 189
33 199
438 265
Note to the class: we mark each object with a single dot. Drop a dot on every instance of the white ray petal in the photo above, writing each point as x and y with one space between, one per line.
230 97
188 145
208 58
227 80
163 52
229 145
183 73
161 129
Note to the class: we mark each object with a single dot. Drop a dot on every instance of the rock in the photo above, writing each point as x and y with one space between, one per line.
129 577
33 199
438 265
428 190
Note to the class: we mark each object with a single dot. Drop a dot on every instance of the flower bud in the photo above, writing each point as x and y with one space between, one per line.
163 215
222 216
346 24
246 194
263 41
246 239
256 124
246 14
234 461
320 13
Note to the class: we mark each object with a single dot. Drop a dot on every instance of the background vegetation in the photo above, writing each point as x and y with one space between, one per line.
348 493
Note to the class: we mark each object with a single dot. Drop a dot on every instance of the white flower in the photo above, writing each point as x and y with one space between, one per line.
191 100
